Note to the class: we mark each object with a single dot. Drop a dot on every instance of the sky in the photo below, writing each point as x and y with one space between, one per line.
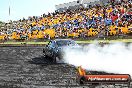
26 8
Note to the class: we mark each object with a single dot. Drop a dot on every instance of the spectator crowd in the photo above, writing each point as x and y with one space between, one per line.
98 20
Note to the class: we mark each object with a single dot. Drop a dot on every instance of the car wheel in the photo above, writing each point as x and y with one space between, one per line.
44 54
56 59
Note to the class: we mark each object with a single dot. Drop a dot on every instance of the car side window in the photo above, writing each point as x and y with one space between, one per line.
51 44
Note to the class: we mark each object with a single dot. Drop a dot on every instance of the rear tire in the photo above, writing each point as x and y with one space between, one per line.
44 53
55 59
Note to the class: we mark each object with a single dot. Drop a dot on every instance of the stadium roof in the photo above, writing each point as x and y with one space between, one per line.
79 2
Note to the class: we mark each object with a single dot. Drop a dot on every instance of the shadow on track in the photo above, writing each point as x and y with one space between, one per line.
43 61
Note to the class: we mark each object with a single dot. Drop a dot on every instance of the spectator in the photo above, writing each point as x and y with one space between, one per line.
75 23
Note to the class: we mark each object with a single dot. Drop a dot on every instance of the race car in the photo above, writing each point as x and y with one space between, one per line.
98 79
54 49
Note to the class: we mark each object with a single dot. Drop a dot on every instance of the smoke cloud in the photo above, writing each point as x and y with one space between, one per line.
113 58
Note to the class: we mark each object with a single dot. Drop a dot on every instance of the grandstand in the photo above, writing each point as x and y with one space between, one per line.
79 19
78 3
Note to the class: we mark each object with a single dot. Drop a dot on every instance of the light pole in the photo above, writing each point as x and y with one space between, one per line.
9 10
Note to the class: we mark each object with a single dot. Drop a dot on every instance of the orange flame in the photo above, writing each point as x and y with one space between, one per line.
81 71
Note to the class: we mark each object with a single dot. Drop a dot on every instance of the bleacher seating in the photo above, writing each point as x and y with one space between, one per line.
112 19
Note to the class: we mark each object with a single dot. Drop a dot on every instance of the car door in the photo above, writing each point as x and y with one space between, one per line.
50 48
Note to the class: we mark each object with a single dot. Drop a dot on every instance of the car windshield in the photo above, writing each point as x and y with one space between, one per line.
65 43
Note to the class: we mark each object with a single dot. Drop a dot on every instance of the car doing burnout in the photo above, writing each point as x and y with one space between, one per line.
54 49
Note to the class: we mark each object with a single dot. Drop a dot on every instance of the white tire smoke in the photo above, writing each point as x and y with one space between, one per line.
115 58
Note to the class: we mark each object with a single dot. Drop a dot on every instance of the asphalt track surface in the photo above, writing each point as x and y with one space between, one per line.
25 67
